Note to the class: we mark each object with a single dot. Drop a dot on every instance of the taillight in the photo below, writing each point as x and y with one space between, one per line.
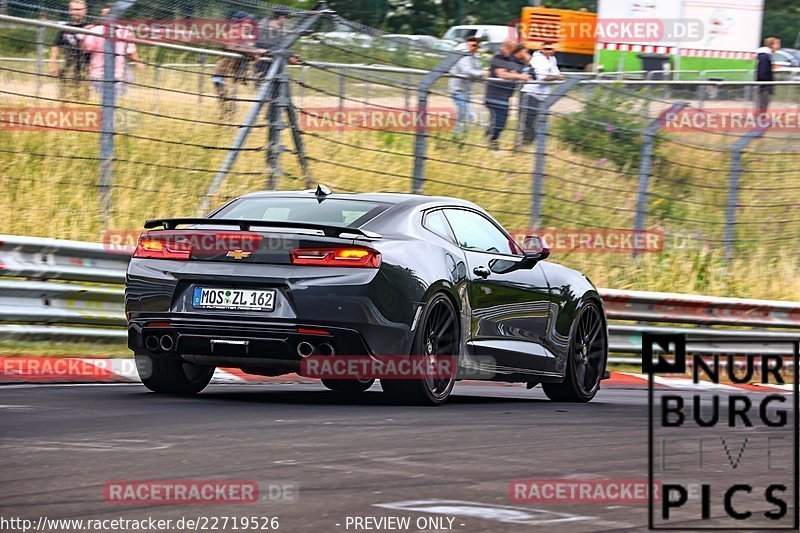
339 257
152 246
182 244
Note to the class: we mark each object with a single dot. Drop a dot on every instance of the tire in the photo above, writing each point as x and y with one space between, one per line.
170 375
348 385
437 338
587 359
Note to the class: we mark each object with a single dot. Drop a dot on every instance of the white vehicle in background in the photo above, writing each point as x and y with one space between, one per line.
343 35
491 36
786 63
417 43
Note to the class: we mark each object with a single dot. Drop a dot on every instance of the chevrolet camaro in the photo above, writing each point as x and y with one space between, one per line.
271 279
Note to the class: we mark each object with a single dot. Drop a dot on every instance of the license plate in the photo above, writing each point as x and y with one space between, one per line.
244 299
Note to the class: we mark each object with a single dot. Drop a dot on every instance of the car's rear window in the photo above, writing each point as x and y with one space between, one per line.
333 211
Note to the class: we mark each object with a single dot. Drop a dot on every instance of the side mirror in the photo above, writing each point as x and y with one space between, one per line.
535 248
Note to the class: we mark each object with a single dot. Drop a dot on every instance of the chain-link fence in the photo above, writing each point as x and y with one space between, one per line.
168 125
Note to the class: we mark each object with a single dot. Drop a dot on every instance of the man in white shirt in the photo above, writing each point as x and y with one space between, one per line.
544 67
464 72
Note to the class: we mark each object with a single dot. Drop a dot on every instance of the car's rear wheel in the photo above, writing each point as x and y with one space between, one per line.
171 375
348 385
437 342
587 359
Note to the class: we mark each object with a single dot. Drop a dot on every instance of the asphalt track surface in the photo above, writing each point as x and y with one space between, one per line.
350 456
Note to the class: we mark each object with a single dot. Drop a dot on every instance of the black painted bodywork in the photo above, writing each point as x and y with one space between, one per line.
514 325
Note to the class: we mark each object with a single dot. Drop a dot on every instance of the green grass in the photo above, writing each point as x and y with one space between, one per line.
14 348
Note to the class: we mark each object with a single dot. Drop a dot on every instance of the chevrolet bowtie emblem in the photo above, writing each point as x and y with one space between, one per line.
238 254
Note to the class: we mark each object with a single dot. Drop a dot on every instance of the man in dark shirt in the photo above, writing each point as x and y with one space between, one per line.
72 76
764 70
507 72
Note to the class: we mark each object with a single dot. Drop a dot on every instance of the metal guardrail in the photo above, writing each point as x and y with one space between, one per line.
40 299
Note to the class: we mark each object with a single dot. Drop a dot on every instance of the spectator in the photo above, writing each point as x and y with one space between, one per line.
543 67
270 32
72 76
232 70
468 68
498 92
95 45
764 71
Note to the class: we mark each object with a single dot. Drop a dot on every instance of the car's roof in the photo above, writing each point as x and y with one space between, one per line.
398 199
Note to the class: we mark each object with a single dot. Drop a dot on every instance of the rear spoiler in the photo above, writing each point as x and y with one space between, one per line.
246 225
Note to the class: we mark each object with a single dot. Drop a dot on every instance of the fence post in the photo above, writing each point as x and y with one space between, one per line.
297 137
108 105
39 58
733 189
342 83
541 147
643 189
201 83
442 68
275 126
280 53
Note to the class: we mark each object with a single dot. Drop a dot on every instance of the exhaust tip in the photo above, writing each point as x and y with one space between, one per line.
151 343
326 349
304 349
167 343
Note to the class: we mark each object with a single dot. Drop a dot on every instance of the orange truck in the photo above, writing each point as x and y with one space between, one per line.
572 34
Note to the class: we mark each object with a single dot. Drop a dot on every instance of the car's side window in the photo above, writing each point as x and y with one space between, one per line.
435 221
475 232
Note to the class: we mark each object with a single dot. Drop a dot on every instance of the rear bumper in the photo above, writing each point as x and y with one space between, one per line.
239 343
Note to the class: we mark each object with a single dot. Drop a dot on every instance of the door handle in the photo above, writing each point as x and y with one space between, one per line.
481 271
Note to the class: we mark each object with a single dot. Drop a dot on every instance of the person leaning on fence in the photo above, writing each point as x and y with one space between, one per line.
543 67
507 72
230 71
464 72
271 30
123 51
764 71
73 82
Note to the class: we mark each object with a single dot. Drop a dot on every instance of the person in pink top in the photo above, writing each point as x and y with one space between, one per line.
94 45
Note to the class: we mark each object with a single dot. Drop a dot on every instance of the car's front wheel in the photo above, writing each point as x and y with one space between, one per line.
171 375
348 385
437 343
587 358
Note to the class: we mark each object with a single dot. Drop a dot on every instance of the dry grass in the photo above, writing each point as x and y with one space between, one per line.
57 195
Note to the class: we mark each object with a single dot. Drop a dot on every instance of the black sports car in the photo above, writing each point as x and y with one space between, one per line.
273 278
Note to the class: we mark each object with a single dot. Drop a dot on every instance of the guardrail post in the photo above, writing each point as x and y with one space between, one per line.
646 163
423 90
108 105
733 189
302 27
541 146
